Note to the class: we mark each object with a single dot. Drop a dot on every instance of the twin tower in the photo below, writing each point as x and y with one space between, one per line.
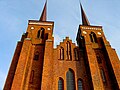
37 65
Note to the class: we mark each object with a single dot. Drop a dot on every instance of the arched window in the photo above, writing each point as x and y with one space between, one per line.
36 56
69 57
31 76
103 75
70 80
80 84
93 37
61 52
61 84
76 53
40 33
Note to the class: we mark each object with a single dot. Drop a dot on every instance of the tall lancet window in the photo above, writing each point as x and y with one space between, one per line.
103 75
80 84
69 57
70 80
61 53
93 37
40 33
61 84
76 53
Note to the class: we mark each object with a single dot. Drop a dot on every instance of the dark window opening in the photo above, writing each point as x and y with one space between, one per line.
103 75
93 37
60 84
80 84
70 80
40 33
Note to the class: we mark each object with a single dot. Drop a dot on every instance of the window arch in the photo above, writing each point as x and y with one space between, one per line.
36 55
60 84
40 33
70 80
61 53
93 37
76 53
80 84
69 57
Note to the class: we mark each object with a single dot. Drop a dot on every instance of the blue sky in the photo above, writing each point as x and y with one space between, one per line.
66 16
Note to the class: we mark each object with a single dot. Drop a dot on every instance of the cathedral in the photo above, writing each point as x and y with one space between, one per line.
92 64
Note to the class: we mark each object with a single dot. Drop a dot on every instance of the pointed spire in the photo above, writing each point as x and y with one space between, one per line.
84 17
44 13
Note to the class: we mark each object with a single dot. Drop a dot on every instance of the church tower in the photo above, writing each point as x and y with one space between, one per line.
36 65
32 56
102 62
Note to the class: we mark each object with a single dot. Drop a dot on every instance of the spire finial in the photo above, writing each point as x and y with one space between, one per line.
84 17
44 13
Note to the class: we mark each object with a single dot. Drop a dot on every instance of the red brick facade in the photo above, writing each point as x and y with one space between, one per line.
37 65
